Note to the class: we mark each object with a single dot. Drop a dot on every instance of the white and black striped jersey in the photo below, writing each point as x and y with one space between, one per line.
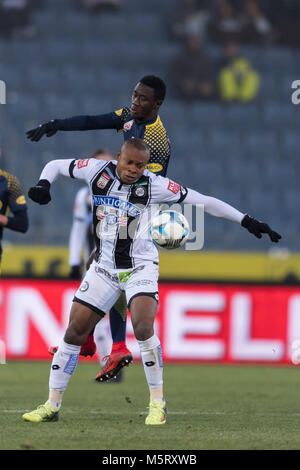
122 212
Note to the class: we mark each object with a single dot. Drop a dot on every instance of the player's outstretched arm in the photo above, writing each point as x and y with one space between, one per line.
76 123
219 208
40 193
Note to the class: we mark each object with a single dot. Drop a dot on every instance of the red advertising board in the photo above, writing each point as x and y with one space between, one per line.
195 322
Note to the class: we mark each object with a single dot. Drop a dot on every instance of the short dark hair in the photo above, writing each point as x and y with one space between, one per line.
139 144
157 84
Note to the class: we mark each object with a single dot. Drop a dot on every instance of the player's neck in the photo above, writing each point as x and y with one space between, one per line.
148 119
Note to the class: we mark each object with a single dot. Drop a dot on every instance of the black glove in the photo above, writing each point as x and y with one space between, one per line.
257 228
41 192
75 272
49 128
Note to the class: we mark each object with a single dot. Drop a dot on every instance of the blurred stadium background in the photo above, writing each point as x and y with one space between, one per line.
67 58
235 301
67 61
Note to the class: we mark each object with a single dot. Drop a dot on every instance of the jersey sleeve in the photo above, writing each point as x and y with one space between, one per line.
86 123
82 169
85 168
166 190
16 198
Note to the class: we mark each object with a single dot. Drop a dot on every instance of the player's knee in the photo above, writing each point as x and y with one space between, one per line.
143 330
74 334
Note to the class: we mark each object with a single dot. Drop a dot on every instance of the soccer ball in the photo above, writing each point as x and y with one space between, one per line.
169 229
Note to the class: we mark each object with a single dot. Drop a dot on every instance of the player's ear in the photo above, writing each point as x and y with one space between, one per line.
118 155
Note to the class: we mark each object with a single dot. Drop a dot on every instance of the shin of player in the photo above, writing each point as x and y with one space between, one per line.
82 320
143 311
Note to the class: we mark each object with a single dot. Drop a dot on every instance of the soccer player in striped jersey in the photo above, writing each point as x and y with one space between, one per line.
140 120
126 260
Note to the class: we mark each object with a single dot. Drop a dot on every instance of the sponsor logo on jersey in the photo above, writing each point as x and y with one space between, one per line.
103 180
1 204
116 203
21 200
173 187
82 163
128 125
100 213
154 167
123 221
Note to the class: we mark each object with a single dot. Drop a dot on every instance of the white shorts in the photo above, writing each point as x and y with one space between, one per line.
101 288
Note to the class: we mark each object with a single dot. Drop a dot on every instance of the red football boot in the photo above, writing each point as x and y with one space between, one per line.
119 357
87 349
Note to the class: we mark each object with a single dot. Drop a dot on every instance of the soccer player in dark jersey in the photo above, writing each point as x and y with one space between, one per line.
12 200
140 120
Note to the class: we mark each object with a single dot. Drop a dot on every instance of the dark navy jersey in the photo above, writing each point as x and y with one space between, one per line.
12 200
152 132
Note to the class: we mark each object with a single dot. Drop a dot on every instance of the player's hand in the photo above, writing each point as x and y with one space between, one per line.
41 192
75 272
257 228
49 128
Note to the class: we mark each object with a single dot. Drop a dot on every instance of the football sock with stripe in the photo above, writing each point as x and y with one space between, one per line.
151 354
64 363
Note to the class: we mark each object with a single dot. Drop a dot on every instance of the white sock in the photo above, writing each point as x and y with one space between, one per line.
102 338
64 363
151 354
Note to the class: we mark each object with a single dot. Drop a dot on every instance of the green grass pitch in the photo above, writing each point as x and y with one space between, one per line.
209 407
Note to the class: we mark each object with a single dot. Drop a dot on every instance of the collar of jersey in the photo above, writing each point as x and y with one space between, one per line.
147 123
125 184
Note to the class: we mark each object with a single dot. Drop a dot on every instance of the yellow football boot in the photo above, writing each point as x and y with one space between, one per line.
157 412
43 413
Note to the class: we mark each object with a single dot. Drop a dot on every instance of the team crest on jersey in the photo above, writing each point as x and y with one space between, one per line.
103 180
128 125
140 191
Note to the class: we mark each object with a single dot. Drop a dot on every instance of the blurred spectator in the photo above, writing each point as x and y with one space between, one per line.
15 19
243 22
188 17
237 80
192 73
286 19
99 6
256 28
226 24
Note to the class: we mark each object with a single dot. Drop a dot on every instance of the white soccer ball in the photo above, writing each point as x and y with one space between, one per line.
169 229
